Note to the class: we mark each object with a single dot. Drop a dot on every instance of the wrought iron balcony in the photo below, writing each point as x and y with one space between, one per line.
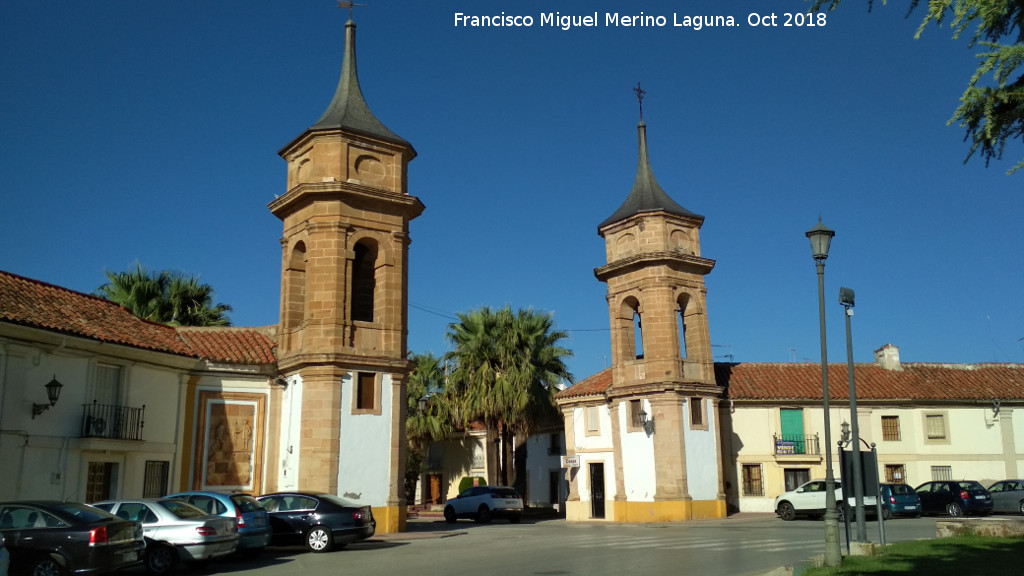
791 444
110 421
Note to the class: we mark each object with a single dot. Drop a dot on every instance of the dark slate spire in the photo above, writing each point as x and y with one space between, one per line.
348 110
647 195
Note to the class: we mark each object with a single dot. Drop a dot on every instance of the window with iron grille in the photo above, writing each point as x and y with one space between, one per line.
895 474
154 484
752 485
935 426
890 428
942 472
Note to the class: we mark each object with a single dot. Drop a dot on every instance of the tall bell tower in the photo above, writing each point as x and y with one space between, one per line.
344 280
663 383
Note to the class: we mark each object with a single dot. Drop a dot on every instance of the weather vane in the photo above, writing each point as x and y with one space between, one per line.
640 92
350 5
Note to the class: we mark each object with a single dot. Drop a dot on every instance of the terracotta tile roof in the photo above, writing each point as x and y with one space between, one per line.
593 385
36 304
917 381
231 345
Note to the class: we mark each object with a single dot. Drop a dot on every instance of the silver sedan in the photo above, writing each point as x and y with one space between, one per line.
176 532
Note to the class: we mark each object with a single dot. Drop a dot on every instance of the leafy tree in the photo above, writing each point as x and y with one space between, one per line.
506 366
428 417
992 112
167 297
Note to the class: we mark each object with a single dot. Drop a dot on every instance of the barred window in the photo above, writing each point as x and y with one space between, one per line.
890 428
697 413
895 474
942 472
935 426
752 485
154 484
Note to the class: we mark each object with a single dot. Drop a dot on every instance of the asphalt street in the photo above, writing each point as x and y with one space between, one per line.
741 545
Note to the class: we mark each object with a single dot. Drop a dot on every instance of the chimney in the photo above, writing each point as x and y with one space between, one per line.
888 357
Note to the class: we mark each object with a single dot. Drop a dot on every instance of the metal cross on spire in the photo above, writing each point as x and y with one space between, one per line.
349 5
640 92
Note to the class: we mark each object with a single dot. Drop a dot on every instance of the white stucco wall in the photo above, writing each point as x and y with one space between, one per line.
702 457
289 436
364 447
540 463
637 457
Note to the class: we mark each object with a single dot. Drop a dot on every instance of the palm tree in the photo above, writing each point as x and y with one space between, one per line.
507 365
168 297
428 418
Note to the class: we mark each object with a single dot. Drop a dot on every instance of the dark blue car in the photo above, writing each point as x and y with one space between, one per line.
954 498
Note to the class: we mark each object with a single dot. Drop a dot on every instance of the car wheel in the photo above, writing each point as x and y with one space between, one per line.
160 559
483 514
1021 507
886 514
46 566
319 539
954 510
786 511
449 515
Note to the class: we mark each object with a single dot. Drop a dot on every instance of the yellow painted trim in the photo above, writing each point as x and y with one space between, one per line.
667 511
188 437
390 519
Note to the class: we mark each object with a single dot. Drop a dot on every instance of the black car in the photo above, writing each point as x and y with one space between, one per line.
954 497
318 521
51 538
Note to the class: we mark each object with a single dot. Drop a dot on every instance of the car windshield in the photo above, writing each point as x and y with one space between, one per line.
337 500
182 510
84 512
968 485
505 493
245 503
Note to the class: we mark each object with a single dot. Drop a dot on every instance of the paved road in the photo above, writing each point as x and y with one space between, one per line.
738 546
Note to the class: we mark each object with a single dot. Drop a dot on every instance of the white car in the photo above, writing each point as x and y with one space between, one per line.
482 503
809 500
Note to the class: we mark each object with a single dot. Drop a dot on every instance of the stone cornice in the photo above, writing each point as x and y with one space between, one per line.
675 260
307 193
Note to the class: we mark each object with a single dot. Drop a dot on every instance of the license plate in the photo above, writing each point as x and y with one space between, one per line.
130 556
910 507
981 497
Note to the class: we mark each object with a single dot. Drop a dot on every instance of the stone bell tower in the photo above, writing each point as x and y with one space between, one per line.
344 278
663 383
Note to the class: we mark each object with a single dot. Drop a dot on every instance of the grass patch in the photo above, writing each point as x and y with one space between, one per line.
956 556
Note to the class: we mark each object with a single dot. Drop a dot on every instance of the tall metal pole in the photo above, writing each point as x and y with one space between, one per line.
833 554
858 473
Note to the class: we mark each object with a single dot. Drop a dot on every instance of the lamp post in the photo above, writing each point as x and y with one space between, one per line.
820 238
846 299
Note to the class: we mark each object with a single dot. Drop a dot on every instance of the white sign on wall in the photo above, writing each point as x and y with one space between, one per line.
570 461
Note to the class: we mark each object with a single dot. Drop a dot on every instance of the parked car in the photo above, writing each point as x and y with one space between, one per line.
899 500
251 519
482 503
954 497
5 557
809 499
176 532
320 522
1008 496
51 538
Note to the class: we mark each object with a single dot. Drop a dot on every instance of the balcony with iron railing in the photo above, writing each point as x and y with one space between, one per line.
796 445
112 421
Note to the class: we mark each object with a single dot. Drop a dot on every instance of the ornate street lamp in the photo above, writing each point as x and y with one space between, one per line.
820 238
846 299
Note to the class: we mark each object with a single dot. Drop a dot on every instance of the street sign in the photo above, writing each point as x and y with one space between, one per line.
571 461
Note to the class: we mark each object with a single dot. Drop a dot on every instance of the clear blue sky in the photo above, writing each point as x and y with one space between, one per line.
148 131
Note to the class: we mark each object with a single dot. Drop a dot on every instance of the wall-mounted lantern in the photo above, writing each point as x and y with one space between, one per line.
52 394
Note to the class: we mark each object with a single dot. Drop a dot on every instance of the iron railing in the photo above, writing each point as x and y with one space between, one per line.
795 444
110 421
